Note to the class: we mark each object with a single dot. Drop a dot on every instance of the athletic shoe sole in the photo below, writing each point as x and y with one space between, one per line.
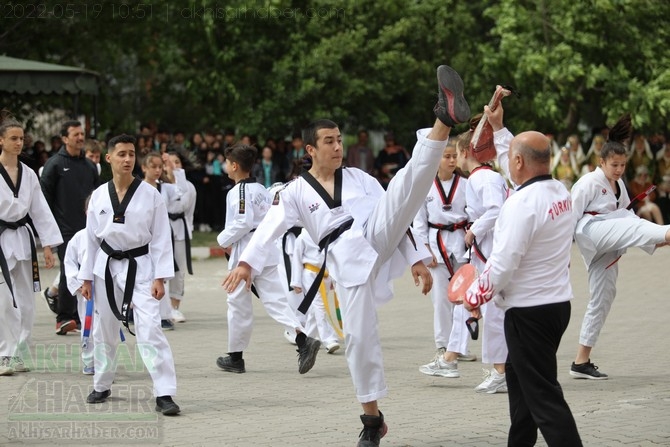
447 374
502 389
451 85
229 368
331 349
170 410
66 327
578 375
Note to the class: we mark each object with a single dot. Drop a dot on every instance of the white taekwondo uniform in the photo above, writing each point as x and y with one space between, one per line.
172 196
604 229
485 194
16 203
74 257
247 204
181 222
441 223
366 257
144 223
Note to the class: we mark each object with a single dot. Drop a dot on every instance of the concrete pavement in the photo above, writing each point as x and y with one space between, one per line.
272 405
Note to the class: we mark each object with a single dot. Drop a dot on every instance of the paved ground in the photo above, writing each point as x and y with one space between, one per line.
272 405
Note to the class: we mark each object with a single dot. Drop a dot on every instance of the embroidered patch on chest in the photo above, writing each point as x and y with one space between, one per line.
313 207
604 191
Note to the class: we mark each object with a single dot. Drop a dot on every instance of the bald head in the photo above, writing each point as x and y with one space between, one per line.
530 154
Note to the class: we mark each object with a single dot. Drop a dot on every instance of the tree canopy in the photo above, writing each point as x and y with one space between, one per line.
267 67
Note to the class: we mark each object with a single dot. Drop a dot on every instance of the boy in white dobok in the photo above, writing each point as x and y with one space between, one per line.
362 231
20 200
129 252
248 202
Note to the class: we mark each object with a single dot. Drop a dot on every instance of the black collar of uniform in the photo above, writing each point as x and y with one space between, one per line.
120 208
10 183
332 202
248 180
539 178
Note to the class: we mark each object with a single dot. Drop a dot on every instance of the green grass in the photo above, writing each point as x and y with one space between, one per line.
201 239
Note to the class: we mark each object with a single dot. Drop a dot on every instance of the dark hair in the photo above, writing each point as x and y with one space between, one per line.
177 154
243 155
66 127
618 135
7 121
123 138
309 133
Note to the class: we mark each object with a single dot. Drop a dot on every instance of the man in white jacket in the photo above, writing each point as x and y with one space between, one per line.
528 274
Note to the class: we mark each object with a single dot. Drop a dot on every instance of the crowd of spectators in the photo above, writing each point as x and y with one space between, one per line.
649 163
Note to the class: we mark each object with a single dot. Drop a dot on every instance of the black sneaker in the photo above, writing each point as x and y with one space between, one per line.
166 405
374 429
167 325
52 301
98 397
451 107
586 371
228 364
307 354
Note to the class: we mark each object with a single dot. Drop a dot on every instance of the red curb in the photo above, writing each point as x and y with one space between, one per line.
216 252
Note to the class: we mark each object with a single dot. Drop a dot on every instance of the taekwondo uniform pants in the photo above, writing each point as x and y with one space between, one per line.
272 294
17 323
385 228
151 341
317 324
449 327
611 237
177 283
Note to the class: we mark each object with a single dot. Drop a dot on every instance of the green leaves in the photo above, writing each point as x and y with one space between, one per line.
268 67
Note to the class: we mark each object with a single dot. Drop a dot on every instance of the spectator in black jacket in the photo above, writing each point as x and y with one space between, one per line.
67 180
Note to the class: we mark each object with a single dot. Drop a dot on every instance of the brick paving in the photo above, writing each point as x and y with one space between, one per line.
272 405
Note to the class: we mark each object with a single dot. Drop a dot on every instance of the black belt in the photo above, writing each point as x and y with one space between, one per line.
449 227
24 221
440 242
130 255
187 240
323 246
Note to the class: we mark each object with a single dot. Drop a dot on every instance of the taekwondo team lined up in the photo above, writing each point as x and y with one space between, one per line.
131 258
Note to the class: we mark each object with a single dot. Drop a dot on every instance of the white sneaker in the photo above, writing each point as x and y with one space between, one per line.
177 316
5 368
494 382
439 367
17 365
332 347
